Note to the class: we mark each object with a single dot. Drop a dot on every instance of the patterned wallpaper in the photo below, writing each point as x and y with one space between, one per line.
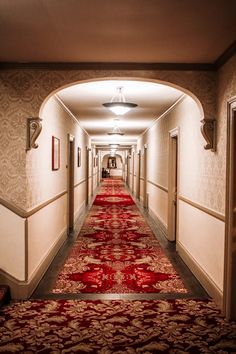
198 174
226 91
22 94
202 174
43 183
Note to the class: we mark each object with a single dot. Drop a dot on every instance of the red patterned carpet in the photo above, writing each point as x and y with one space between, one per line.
116 251
115 327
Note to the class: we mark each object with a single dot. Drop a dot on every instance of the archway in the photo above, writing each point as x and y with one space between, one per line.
112 166
198 111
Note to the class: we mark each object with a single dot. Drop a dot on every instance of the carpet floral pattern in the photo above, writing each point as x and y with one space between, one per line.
115 327
116 251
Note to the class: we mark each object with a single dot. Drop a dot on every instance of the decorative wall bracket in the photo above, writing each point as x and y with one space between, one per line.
208 130
34 128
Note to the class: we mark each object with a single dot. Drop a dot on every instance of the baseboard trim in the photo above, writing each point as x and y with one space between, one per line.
81 210
208 284
158 221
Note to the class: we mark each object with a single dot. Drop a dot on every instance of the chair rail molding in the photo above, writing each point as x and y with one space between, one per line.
208 130
34 128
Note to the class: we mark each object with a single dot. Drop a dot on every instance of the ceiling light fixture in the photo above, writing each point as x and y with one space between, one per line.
118 104
116 130
114 146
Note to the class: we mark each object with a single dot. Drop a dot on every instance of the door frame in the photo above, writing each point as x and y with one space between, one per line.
173 184
138 175
87 175
229 293
128 168
133 164
145 202
70 181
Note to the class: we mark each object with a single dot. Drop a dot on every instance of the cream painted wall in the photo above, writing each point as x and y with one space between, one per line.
47 227
12 241
53 219
56 122
79 198
44 229
201 235
158 203
141 189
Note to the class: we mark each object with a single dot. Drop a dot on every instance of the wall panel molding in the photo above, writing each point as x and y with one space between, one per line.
158 186
25 214
79 183
202 208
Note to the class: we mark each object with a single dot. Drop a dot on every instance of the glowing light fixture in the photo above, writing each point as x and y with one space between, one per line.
116 130
118 104
114 146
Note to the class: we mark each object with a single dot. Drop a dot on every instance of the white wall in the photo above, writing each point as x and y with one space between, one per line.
28 246
158 203
199 235
45 228
202 236
12 243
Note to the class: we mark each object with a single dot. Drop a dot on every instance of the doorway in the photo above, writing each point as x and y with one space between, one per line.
133 155
71 152
173 185
230 234
145 202
87 174
138 175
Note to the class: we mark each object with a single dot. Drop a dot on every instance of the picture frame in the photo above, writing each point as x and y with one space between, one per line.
111 163
55 153
78 157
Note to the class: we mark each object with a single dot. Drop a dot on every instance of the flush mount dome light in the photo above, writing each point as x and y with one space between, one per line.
118 104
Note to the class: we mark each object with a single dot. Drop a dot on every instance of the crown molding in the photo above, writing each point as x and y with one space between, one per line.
106 66
225 56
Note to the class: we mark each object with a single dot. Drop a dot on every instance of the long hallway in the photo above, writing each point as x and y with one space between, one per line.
117 255
117 177
115 289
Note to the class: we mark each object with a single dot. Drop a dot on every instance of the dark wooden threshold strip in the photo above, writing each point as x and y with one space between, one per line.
104 297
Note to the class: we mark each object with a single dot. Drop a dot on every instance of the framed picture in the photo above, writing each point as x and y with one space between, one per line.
78 156
111 163
55 153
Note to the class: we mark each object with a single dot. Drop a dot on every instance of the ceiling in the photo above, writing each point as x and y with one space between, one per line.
85 101
112 31
140 31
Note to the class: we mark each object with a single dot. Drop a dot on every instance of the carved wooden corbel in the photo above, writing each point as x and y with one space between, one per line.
208 130
34 128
